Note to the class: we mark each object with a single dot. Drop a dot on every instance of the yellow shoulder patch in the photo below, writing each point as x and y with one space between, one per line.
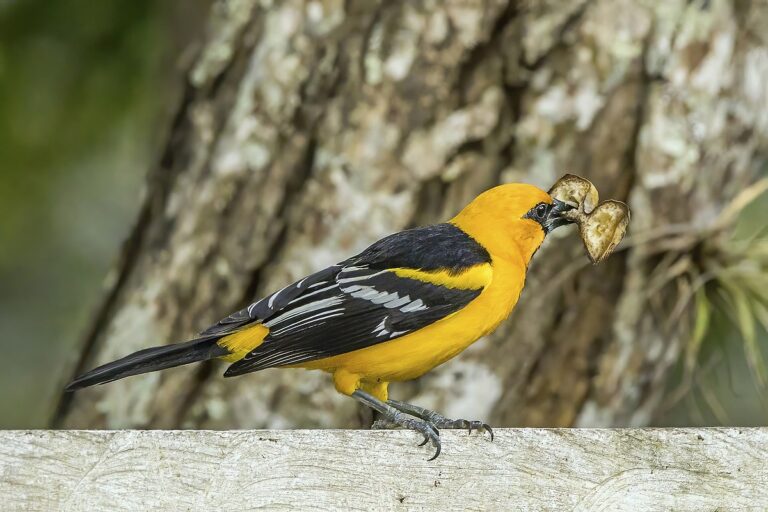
473 278
242 342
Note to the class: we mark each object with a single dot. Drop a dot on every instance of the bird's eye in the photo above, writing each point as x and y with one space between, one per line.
541 211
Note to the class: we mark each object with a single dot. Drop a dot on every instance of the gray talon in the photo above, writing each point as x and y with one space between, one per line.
424 421
431 434
392 416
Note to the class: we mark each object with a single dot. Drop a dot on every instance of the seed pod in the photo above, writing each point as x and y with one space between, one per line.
601 225
603 229
577 192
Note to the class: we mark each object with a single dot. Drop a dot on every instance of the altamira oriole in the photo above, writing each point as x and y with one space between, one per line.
409 302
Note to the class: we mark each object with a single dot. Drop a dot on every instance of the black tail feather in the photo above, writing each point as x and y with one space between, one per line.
150 360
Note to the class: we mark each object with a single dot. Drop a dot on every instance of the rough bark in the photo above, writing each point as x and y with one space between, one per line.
309 129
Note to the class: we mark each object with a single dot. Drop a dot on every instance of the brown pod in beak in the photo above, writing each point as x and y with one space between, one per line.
601 226
602 230
577 192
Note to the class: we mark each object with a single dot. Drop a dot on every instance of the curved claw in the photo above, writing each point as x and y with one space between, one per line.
481 427
434 434
437 451
429 431
425 428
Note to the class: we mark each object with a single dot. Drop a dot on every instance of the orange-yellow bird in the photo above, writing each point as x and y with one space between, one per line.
409 302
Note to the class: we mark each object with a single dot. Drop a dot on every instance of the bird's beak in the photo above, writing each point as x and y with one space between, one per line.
556 217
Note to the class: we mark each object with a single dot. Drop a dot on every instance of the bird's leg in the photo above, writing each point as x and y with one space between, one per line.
438 420
391 414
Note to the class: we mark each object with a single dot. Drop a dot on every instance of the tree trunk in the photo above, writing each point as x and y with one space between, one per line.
309 129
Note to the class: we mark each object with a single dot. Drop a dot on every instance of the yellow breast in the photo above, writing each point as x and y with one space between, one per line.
414 354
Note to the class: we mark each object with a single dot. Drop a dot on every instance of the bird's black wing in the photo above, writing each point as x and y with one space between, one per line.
271 304
367 302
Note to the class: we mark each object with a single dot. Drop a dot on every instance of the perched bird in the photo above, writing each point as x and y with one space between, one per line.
406 304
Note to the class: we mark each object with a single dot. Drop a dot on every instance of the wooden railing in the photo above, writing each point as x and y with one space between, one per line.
522 469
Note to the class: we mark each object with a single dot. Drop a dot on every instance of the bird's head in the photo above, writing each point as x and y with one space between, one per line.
512 219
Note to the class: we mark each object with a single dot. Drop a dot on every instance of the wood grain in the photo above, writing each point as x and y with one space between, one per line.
522 469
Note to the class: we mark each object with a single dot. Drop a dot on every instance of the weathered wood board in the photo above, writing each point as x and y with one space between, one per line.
522 469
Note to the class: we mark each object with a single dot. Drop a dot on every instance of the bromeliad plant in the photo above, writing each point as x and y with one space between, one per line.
716 273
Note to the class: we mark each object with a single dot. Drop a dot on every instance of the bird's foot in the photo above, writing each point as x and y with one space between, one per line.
392 417
440 421
470 425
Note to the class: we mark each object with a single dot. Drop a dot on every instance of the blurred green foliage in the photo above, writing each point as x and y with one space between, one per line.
80 93
721 380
